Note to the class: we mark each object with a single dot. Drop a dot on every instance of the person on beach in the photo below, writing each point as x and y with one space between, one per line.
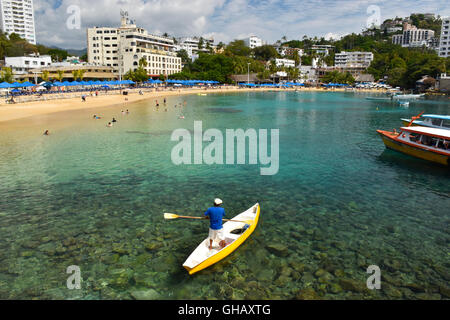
165 101
83 98
215 215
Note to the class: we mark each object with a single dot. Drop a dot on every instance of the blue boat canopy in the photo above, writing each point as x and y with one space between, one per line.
436 116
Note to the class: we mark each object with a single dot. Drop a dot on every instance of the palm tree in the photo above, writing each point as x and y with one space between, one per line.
75 74
45 76
143 62
60 75
81 74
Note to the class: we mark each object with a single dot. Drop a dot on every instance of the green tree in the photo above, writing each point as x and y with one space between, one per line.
143 62
265 53
7 75
184 57
58 54
45 76
201 43
60 75
75 74
238 48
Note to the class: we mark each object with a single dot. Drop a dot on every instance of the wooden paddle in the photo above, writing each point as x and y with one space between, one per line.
171 216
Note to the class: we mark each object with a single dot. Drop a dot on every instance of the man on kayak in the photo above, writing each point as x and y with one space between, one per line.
215 215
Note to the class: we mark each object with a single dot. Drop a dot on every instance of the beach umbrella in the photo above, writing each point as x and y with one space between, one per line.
4 85
27 84
16 85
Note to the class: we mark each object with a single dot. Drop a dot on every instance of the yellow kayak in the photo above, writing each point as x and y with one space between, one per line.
203 257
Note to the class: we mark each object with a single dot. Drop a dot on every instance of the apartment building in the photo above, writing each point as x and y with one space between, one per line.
192 45
353 59
288 63
123 48
444 45
414 37
286 51
17 16
253 42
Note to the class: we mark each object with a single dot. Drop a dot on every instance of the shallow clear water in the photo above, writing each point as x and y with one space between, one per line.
94 197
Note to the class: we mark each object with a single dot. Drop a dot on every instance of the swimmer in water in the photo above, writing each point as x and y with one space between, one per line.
109 124
46 133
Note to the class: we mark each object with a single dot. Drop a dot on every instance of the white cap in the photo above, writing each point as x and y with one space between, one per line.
218 202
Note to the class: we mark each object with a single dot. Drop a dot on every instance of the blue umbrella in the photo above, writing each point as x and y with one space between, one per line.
4 85
27 84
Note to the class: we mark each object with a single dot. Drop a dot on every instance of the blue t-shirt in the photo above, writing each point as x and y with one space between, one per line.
216 215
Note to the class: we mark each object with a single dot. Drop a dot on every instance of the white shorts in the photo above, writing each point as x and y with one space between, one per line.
216 235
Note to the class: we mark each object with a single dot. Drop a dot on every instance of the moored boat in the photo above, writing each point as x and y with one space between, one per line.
407 96
430 121
425 143
235 234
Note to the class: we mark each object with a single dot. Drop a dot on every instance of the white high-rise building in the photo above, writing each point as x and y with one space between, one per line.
123 48
413 37
17 16
444 46
254 42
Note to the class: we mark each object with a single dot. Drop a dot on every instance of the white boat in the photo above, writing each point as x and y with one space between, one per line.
235 233
407 96
430 121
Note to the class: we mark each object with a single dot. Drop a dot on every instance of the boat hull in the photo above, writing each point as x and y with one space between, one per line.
423 154
222 254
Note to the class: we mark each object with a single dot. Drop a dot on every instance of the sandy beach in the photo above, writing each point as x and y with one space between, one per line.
72 101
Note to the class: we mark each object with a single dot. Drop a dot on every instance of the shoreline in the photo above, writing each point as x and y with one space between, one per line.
72 101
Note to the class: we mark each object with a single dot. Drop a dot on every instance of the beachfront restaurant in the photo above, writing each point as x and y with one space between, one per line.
102 73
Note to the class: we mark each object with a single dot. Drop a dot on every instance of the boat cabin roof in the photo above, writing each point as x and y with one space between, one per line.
436 116
438 133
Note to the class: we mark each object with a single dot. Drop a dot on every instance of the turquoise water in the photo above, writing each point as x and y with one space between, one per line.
94 197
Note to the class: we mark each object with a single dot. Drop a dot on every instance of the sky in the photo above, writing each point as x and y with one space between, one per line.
63 23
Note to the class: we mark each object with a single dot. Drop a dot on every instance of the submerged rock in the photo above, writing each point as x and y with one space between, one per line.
308 294
145 294
445 291
428 296
352 285
297 266
278 249
335 288
392 291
